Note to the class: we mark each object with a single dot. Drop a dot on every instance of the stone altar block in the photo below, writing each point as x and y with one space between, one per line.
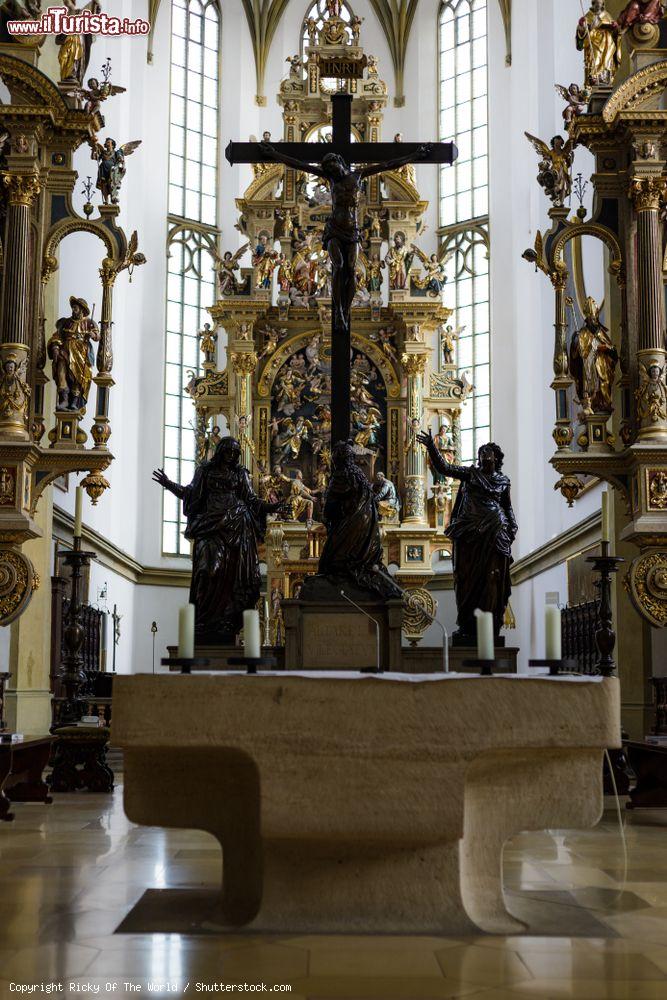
350 803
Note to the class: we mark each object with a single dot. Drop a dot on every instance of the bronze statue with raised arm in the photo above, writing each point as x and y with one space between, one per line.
226 521
482 529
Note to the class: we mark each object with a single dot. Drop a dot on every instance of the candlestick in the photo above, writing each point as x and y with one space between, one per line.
186 632
552 628
605 636
484 635
78 511
606 523
251 635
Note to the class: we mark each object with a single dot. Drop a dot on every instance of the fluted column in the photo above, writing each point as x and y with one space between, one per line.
244 364
414 365
651 395
22 191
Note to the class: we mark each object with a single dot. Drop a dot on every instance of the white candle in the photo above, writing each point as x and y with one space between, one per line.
78 511
186 632
484 635
606 521
552 628
251 635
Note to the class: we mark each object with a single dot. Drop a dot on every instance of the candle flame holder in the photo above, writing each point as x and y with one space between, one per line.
186 663
486 667
252 662
556 667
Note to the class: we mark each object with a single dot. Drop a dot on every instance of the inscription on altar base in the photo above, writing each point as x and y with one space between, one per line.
330 642
331 635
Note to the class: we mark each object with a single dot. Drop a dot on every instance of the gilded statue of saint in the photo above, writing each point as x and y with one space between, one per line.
14 390
593 360
74 49
599 37
71 351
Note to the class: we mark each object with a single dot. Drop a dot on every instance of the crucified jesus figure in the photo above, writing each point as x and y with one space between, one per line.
341 232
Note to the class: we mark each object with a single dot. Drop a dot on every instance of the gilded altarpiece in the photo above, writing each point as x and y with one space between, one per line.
610 357
45 434
274 307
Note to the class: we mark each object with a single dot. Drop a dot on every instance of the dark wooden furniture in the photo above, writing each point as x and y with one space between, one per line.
649 762
21 772
79 760
579 624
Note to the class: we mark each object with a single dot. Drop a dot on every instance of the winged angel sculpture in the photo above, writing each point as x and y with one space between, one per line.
555 167
111 166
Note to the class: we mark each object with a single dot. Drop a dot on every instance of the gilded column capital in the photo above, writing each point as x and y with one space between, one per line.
22 189
108 272
414 364
244 364
647 193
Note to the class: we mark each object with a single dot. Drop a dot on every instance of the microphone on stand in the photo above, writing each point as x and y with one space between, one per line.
378 668
445 634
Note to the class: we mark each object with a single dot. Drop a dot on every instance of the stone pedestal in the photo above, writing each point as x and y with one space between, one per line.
325 632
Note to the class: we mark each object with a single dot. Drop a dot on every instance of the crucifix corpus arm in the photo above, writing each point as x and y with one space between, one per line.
399 161
274 154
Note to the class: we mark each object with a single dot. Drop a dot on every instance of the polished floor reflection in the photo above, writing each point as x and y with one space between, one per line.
72 872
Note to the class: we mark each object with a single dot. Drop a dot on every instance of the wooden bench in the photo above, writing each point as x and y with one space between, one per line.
21 769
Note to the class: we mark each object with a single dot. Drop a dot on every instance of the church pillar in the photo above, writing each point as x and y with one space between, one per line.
22 191
414 365
244 363
28 705
647 193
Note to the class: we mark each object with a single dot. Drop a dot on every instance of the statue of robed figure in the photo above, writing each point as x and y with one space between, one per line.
482 528
352 553
226 521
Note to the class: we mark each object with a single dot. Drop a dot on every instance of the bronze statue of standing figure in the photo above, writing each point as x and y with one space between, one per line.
482 528
226 520
352 553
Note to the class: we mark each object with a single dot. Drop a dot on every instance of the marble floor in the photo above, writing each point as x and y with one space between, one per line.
70 874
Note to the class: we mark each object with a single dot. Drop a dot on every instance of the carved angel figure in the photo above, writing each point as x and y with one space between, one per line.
272 339
96 92
435 279
227 268
14 390
651 395
641 12
447 337
111 167
295 65
555 167
599 38
577 99
384 337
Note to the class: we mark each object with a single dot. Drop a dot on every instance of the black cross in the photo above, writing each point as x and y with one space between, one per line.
385 155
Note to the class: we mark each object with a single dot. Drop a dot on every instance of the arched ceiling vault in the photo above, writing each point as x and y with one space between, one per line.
395 16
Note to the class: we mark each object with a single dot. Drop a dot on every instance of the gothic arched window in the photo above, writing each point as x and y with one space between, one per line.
464 198
192 233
